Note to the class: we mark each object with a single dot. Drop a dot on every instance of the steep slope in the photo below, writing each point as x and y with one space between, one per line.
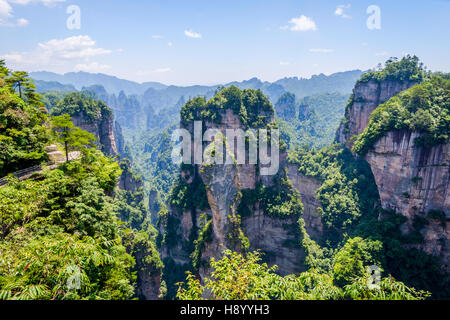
92 116
406 144
373 89
219 207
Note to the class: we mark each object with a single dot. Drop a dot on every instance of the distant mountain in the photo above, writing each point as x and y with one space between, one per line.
48 86
151 105
110 83
342 82
338 82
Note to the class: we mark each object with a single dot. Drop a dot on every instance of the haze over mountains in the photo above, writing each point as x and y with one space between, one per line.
342 82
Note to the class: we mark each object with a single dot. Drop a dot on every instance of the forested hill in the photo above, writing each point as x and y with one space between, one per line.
67 232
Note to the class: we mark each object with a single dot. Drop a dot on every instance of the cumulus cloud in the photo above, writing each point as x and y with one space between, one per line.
57 54
319 50
340 11
94 67
192 34
302 23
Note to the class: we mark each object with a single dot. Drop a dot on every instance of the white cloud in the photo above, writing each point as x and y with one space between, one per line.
157 36
340 11
73 47
93 67
285 63
47 3
170 44
57 54
22 22
317 50
302 23
192 34
6 11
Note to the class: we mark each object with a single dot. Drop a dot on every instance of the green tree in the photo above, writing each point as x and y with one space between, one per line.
72 137
352 260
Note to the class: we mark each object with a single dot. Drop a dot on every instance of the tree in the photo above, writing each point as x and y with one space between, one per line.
72 137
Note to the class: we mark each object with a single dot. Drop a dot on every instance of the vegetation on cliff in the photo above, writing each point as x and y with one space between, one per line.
424 108
60 236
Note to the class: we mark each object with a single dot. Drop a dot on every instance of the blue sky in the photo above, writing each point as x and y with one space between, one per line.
208 42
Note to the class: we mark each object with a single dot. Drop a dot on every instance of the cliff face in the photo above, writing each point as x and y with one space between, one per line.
367 96
229 227
307 187
101 128
415 181
412 180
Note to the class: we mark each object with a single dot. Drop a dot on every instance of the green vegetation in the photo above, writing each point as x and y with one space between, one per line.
252 106
77 103
318 120
60 236
23 136
424 108
409 68
238 277
281 200
348 188
71 137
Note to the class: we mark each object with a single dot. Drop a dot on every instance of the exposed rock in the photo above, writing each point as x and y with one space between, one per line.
413 181
307 187
367 96
276 237
101 128
118 135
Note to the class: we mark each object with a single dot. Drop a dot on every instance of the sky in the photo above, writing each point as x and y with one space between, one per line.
210 42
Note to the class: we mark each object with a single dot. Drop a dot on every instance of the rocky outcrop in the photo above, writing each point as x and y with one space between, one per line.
367 96
285 106
102 128
415 181
307 187
118 136
278 238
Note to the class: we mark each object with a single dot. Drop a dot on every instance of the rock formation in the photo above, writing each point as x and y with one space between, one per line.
102 128
367 96
415 181
229 219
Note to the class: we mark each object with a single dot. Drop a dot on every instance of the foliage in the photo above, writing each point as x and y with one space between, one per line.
350 261
348 188
409 68
77 103
252 106
23 136
73 138
239 277
424 108
66 223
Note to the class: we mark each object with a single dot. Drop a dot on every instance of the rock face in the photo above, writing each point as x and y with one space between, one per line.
102 128
118 137
224 185
367 96
412 180
285 107
307 188
415 181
